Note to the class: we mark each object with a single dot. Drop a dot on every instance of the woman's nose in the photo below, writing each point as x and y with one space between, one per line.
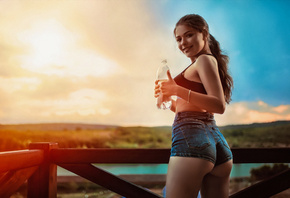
183 42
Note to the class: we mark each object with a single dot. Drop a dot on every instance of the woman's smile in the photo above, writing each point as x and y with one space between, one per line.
186 49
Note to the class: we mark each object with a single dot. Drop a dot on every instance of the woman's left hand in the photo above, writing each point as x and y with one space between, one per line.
169 87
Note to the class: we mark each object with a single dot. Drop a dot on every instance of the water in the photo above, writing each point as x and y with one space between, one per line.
163 102
239 170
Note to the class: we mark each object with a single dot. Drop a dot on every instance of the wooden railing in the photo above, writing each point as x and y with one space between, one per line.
38 165
16 167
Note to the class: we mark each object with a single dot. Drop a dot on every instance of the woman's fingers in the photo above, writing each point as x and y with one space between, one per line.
156 89
156 93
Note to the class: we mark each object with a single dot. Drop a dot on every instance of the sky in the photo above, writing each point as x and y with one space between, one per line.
95 61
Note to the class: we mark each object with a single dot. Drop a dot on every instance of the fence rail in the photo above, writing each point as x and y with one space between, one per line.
38 165
14 160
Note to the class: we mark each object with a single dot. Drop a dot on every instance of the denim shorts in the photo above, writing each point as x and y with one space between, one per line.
195 134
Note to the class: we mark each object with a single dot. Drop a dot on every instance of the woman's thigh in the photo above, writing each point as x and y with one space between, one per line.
185 175
216 183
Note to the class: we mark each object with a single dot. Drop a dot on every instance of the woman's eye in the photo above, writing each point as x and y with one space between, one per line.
189 35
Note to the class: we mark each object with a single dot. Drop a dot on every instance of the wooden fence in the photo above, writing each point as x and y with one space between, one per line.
39 164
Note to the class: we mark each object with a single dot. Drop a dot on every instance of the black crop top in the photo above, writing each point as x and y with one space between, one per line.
192 85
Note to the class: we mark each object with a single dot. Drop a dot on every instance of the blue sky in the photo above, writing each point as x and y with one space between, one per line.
255 34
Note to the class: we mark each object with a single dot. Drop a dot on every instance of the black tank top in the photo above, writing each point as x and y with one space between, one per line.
192 85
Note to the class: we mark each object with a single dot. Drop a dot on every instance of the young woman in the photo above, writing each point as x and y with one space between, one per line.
201 159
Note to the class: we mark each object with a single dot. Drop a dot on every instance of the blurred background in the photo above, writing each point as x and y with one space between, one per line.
81 73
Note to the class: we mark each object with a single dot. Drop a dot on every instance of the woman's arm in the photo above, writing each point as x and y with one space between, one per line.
207 69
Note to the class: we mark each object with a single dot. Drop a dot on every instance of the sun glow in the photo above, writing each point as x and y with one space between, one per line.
47 48
48 42
54 50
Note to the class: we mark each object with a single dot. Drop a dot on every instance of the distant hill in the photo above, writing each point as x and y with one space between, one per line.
272 134
54 127
82 126
256 125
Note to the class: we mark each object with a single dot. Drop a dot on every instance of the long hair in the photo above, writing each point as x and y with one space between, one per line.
197 22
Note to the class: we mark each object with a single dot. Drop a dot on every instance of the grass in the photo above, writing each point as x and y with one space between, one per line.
14 137
259 136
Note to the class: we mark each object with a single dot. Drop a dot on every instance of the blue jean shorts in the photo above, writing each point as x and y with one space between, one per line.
195 134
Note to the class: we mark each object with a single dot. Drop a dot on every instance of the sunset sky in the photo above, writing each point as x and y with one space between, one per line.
95 61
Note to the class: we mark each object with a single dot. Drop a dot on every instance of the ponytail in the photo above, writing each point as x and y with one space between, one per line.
223 60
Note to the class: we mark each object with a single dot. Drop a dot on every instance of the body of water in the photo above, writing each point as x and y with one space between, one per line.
239 170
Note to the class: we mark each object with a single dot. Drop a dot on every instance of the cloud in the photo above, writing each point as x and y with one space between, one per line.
250 112
76 107
11 85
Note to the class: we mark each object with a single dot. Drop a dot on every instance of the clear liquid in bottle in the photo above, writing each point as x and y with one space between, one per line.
163 102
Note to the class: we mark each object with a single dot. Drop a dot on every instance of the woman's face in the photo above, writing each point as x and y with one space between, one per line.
190 41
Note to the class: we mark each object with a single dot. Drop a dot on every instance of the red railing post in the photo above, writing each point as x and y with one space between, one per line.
43 183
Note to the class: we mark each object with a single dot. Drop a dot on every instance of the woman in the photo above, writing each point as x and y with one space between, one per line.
201 159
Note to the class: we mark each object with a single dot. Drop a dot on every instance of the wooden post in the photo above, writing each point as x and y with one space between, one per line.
43 183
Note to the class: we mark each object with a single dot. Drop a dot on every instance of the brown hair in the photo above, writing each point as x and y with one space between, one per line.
197 22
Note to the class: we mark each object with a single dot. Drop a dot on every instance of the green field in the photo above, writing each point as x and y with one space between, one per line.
275 134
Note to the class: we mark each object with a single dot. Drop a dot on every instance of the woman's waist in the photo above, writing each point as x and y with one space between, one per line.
194 116
182 106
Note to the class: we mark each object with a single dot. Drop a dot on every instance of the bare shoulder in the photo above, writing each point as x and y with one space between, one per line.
206 62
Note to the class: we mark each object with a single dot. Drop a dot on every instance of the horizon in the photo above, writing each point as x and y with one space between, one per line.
115 125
